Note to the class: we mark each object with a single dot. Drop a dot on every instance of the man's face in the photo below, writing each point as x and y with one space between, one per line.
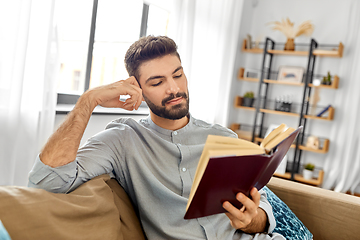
164 87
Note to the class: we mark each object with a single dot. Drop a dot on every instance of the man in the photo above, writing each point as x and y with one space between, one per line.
154 159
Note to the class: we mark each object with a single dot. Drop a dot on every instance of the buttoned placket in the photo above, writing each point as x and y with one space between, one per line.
183 168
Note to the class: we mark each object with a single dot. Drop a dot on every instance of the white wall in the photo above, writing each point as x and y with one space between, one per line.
330 18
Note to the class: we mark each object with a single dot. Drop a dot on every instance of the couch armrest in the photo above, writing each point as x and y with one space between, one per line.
327 214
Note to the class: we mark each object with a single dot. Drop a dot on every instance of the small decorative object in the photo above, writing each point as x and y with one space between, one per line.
313 142
326 79
315 98
248 99
308 171
323 111
287 28
283 103
290 74
248 41
251 73
257 41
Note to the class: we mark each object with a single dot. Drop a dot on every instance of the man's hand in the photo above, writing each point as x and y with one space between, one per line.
250 218
108 95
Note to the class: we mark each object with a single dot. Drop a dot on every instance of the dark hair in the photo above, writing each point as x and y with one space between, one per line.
148 48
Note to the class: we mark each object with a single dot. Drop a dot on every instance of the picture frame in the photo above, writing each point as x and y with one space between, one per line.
291 74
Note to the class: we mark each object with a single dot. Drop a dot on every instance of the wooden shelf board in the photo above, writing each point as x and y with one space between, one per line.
304 148
317 118
318 52
334 84
323 150
246 108
282 82
298 177
286 52
253 50
279 112
249 79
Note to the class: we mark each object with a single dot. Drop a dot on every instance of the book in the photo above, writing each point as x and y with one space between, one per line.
228 166
323 111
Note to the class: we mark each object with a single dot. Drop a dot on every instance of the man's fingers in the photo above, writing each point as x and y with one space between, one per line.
233 211
255 195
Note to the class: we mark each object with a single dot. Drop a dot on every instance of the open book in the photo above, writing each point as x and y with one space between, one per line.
228 166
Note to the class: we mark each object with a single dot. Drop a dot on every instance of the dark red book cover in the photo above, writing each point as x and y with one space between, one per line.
224 177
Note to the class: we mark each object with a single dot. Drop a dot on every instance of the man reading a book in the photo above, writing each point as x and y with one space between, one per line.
153 159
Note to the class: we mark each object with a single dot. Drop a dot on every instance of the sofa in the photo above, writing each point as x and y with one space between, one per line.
100 209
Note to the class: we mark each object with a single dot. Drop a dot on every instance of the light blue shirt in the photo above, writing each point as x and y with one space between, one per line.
156 167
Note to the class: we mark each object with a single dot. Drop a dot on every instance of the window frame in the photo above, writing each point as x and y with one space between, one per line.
64 98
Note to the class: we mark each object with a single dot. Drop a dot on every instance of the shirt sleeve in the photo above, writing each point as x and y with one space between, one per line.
265 205
57 180
93 159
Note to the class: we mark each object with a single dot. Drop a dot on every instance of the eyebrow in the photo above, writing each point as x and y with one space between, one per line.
159 76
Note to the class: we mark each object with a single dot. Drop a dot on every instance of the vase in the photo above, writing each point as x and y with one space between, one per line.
289 45
307 174
247 102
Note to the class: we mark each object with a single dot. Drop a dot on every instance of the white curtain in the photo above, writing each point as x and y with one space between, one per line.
28 64
207 37
342 166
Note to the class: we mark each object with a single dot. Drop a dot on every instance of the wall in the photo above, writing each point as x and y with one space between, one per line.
330 18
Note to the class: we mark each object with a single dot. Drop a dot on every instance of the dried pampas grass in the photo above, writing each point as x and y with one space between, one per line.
287 28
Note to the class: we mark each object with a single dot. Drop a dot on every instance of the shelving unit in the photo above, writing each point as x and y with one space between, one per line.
260 106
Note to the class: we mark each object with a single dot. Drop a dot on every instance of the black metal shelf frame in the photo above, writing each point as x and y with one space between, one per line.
308 78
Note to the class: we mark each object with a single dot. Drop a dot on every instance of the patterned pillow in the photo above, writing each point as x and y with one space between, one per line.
3 233
287 224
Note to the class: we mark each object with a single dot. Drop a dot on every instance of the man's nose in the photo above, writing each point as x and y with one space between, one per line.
172 87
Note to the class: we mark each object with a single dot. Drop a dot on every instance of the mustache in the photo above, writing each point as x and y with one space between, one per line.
172 96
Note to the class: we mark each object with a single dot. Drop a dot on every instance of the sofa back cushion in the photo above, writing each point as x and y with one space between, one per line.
89 212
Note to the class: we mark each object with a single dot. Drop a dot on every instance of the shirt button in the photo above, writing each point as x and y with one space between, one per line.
183 169
175 132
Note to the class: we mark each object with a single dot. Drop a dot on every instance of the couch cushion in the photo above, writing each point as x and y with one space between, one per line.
89 212
287 224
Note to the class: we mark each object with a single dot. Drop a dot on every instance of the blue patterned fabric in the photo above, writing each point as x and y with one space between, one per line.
287 224
3 233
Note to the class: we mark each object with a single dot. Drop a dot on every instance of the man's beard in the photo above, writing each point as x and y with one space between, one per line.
175 112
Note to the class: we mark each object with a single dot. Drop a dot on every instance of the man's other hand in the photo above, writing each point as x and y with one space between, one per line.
250 218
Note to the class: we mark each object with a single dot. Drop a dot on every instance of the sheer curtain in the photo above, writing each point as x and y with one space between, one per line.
207 37
28 63
343 162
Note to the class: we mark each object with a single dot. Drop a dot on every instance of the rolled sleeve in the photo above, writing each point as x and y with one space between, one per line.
56 180
265 205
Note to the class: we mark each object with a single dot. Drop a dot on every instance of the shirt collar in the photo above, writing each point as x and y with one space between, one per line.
168 132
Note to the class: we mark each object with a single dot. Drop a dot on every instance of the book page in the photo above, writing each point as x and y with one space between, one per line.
273 134
230 141
275 141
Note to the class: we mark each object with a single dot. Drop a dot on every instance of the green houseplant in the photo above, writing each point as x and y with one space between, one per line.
248 99
308 170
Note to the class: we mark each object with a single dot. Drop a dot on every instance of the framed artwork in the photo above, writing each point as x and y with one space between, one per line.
291 74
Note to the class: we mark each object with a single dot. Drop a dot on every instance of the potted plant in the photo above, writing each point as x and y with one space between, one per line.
248 99
308 171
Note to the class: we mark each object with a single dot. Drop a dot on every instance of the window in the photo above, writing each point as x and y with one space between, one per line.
94 37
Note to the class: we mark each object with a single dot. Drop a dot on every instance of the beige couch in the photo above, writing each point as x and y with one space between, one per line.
100 209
